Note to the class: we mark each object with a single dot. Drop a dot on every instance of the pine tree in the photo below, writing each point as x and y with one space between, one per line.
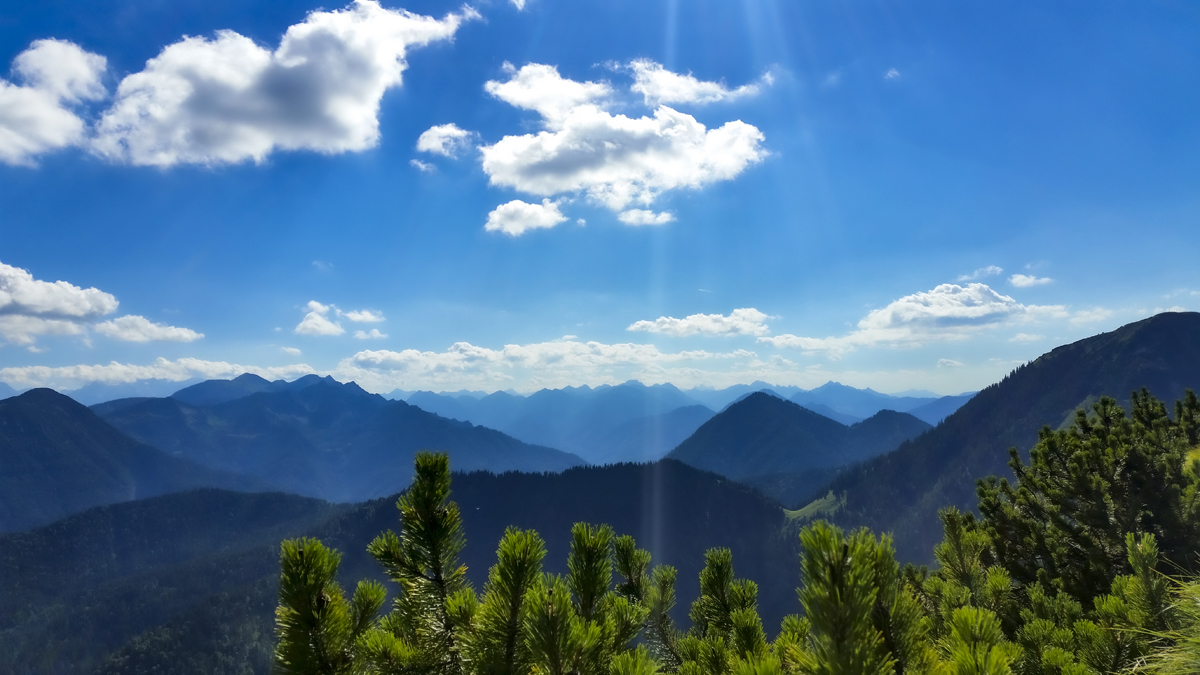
496 644
1065 521
422 561
318 629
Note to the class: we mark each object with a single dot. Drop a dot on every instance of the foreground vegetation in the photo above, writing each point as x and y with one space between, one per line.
1068 571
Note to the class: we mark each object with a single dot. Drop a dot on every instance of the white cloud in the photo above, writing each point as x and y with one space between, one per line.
540 88
745 321
363 316
227 99
1091 315
291 351
24 330
949 363
69 377
556 363
373 334
317 321
20 293
30 307
134 328
1026 337
645 217
446 140
891 74
37 116
948 312
657 85
517 217
423 167
1027 280
519 4
989 271
617 161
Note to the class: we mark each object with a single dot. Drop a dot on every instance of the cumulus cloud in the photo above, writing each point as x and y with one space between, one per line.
745 321
291 351
948 312
70 377
539 87
619 162
372 334
363 316
31 307
37 116
657 85
21 294
1027 280
423 167
949 363
989 271
228 99
519 4
446 140
891 74
517 217
133 328
644 217
317 321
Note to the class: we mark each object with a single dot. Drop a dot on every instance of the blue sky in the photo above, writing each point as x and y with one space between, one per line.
890 194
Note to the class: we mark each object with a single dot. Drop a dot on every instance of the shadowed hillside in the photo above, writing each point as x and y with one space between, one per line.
902 491
58 458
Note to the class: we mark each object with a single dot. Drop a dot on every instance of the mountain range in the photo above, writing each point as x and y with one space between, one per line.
186 582
316 436
635 422
628 422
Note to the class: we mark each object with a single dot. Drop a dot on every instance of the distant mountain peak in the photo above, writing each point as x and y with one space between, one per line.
247 378
764 434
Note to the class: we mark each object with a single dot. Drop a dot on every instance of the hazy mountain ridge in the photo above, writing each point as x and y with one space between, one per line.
589 422
318 437
584 420
58 458
902 490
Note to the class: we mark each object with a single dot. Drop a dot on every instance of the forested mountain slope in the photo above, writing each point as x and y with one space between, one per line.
188 582
58 458
320 438
903 490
